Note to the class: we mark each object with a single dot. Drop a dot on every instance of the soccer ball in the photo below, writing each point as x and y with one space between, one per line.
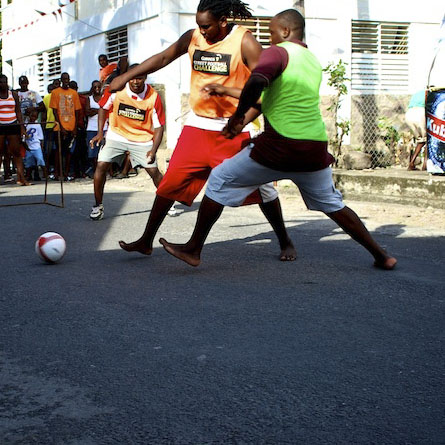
50 247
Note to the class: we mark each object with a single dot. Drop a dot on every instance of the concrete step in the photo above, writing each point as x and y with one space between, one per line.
395 185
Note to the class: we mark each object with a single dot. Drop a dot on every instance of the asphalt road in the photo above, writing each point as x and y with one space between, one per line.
115 348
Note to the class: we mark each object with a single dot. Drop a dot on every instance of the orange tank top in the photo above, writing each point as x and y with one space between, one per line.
220 63
132 118
7 109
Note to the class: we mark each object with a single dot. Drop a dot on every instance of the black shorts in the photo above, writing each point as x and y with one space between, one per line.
10 129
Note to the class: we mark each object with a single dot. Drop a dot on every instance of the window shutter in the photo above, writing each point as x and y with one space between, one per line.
379 57
117 44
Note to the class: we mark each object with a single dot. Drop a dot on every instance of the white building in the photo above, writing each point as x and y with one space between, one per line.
388 44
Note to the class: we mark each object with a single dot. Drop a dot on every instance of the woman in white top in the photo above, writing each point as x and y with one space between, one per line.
92 108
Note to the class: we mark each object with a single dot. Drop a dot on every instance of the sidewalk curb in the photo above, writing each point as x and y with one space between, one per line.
397 186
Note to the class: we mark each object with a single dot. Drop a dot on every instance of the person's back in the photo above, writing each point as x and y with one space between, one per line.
417 100
291 102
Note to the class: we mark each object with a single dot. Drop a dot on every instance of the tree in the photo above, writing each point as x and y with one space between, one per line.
337 80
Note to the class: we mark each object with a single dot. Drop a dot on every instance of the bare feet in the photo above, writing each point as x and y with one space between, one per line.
288 252
25 182
387 264
137 246
180 251
411 167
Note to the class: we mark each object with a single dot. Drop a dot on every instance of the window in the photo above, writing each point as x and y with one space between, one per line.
41 73
54 64
259 27
48 68
379 57
117 44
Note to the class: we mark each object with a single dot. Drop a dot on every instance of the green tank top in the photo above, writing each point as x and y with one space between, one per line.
291 102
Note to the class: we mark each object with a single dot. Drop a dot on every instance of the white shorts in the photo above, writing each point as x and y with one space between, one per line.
236 178
114 151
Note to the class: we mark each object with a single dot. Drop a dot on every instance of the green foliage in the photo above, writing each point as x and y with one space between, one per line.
388 132
337 80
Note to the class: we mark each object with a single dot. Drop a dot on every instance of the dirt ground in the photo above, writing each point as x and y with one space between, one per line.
373 213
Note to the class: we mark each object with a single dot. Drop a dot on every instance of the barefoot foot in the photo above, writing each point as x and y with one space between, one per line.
386 264
179 251
288 253
137 246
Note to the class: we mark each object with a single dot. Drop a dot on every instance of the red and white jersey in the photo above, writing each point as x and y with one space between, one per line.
133 117
7 109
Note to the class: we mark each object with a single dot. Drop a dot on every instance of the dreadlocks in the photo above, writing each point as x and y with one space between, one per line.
235 9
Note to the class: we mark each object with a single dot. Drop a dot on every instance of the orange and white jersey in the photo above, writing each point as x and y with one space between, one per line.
220 63
133 117
7 110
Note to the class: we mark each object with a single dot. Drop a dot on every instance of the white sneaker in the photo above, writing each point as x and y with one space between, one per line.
97 212
172 211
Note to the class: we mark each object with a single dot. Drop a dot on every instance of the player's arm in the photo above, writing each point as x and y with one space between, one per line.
154 63
101 119
250 95
157 139
105 104
158 117
250 50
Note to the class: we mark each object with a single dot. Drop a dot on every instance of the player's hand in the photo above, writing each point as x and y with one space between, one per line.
213 89
233 127
117 84
96 140
151 156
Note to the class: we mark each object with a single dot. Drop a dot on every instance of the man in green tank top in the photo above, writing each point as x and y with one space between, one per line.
292 146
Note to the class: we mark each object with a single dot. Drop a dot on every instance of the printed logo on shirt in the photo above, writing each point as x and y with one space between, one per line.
31 134
212 63
131 112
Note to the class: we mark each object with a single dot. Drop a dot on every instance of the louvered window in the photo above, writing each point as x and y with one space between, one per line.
379 57
117 44
41 73
260 29
54 64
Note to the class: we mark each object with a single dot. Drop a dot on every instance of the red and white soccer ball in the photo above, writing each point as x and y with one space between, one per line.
50 247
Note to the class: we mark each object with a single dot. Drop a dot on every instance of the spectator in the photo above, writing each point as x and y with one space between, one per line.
48 133
34 141
11 127
92 109
65 104
79 150
416 120
105 68
29 100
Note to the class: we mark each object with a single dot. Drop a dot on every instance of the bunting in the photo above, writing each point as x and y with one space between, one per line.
57 13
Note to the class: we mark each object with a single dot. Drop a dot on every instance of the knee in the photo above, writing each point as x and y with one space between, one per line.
102 167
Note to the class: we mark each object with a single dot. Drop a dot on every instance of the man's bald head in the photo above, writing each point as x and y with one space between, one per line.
293 20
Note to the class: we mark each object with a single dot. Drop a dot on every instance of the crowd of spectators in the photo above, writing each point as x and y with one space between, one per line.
63 116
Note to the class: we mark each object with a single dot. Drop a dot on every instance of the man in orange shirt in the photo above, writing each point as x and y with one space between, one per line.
65 104
105 68
224 53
